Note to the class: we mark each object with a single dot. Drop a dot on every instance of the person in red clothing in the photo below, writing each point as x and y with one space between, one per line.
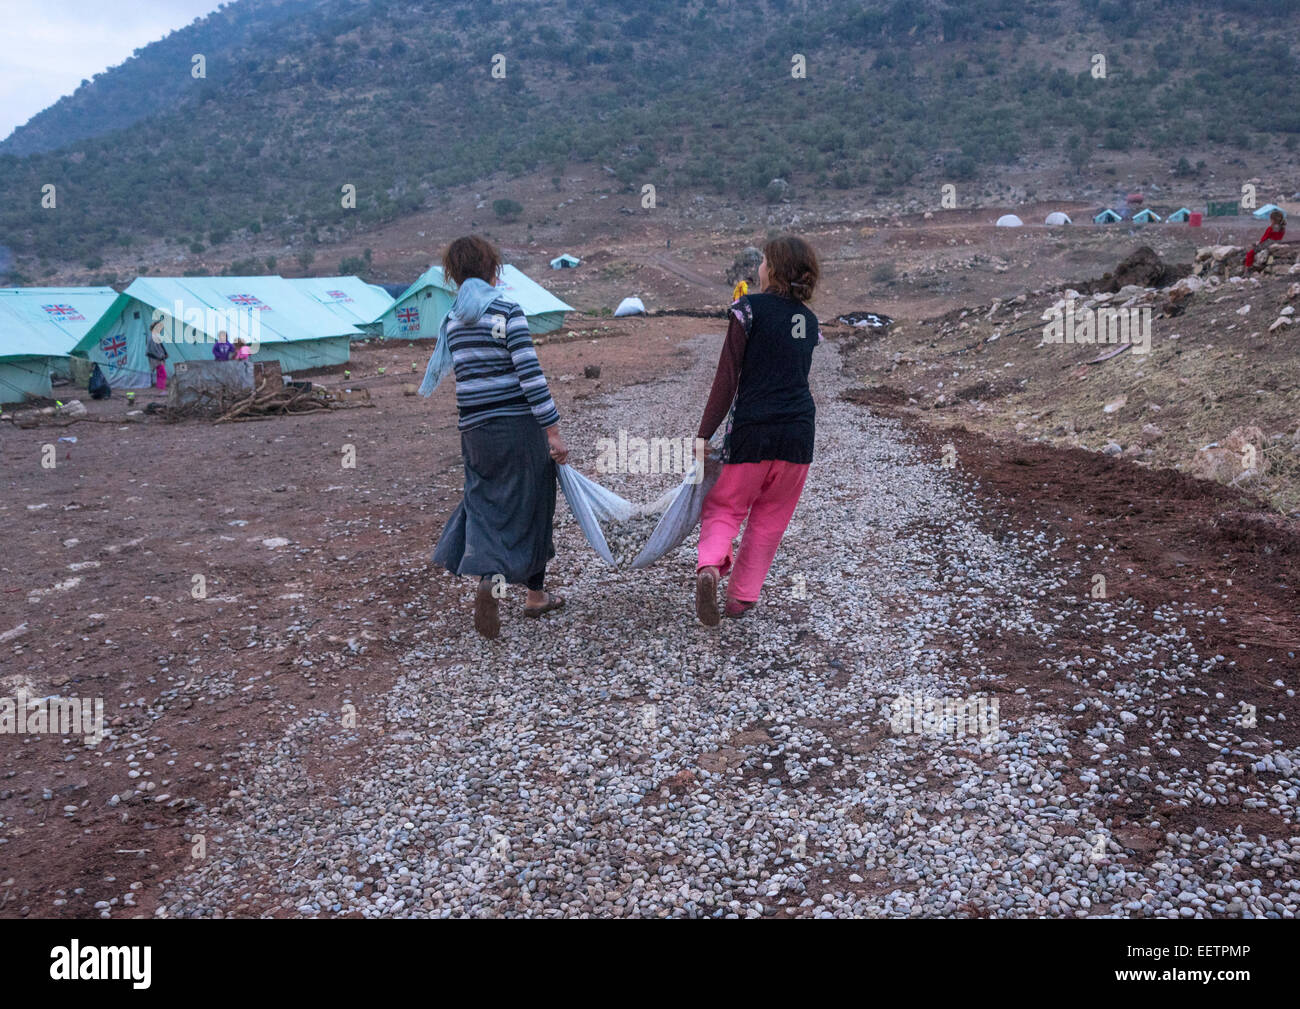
762 382
1275 233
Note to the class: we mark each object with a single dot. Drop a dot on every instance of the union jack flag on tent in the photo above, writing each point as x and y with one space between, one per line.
114 348
409 319
248 301
64 313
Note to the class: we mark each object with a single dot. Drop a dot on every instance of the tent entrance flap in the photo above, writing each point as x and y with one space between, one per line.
120 352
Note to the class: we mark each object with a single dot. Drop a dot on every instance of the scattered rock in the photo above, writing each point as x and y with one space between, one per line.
14 632
1228 460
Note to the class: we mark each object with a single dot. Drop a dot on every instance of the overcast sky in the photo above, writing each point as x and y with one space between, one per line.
51 46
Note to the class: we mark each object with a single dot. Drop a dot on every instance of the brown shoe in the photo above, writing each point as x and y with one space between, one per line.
487 614
706 597
736 608
553 602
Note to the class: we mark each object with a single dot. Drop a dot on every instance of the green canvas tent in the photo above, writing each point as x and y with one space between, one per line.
350 298
564 262
418 313
39 326
1267 209
1147 216
282 322
1107 216
1180 215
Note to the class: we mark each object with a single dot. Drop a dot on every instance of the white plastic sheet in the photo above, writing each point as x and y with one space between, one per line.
683 514
592 504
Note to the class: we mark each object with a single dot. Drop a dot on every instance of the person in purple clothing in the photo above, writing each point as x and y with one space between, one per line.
223 349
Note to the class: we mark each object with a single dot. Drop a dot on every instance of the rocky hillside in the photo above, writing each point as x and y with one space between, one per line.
1214 392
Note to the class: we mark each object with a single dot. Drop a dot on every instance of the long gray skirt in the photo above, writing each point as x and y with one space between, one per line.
503 523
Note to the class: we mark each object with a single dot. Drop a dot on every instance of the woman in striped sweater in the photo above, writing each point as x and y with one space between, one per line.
509 437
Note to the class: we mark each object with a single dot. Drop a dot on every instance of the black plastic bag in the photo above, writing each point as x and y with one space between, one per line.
99 387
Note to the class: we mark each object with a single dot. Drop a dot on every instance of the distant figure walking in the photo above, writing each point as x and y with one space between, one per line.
509 438
156 354
762 380
1275 233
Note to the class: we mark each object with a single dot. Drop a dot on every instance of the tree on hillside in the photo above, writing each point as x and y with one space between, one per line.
1079 153
507 210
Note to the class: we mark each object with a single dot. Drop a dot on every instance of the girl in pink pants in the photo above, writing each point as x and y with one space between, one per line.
762 379
767 492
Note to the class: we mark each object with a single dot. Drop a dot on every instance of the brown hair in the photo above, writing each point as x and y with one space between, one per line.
1277 217
471 256
792 267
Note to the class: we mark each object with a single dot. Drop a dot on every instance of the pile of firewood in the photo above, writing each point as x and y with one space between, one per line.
277 401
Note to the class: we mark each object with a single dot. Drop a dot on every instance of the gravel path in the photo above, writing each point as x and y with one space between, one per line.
624 761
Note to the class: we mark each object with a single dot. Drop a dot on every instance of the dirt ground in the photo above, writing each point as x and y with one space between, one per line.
879 254
317 579
315 576
1163 539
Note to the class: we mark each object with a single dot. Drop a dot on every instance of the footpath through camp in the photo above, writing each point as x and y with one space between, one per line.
622 760
934 711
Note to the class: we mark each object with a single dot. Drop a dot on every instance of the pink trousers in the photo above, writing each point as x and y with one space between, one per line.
160 377
766 492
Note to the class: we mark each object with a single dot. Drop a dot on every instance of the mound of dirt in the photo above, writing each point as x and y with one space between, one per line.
1143 268
876 395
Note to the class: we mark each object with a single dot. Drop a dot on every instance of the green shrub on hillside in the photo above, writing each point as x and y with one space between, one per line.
507 210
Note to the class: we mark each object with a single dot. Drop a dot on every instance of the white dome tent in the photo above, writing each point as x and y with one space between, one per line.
1056 217
1010 221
